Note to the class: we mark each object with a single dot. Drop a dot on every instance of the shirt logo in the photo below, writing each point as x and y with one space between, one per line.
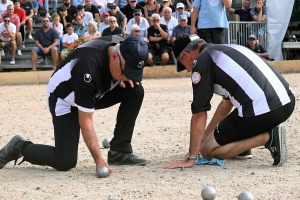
194 63
141 64
87 78
196 77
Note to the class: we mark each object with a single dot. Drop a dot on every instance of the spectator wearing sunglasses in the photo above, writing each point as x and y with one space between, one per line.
80 27
186 3
113 29
141 22
7 37
180 10
121 18
135 30
130 7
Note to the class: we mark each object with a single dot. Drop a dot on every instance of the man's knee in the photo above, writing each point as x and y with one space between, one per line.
165 56
66 163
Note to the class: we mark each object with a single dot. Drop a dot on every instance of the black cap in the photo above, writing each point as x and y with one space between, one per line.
251 37
112 5
179 44
135 54
137 11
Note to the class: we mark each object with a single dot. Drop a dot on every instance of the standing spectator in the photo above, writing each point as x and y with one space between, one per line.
68 38
87 16
113 29
72 10
259 14
180 11
181 28
7 37
22 16
105 23
65 18
46 5
92 30
186 3
213 20
170 21
135 30
78 2
130 7
158 41
4 4
27 6
166 3
121 19
89 7
16 21
257 48
46 41
141 22
151 8
80 28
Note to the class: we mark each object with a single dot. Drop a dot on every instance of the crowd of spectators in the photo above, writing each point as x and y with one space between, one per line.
157 22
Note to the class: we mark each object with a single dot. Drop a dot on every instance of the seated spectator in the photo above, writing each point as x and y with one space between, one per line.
92 30
37 5
187 4
258 14
46 41
27 6
4 4
7 37
65 18
106 7
89 7
166 3
113 29
46 5
169 21
78 2
121 19
151 8
56 25
130 7
135 30
105 23
87 16
121 3
158 41
80 28
22 16
181 28
257 48
141 22
14 19
180 11
68 38
72 10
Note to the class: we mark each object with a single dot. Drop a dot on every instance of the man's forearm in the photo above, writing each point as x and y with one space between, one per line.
155 39
194 16
198 123
124 23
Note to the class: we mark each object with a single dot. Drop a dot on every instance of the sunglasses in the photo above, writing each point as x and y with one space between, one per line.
45 21
112 21
156 20
6 20
179 8
137 14
132 1
137 31
113 8
165 2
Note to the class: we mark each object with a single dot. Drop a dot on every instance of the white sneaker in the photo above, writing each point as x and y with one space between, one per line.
2 53
30 37
48 15
23 45
12 62
19 53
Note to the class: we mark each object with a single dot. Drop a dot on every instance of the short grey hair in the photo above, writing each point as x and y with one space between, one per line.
192 46
135 27
116 49
112 17
167 8
155 15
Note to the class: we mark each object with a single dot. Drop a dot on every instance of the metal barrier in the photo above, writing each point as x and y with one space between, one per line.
238 32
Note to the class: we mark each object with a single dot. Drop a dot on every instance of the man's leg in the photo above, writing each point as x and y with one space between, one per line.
12 45
205 34
54 55
29 28
150 58
23 33
164 52
19 40
34 56
217 34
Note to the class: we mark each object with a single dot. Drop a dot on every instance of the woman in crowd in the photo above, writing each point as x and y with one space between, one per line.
151 8
92 30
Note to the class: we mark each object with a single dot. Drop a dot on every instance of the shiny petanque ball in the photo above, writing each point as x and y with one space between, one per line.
208 193
106 143
246 196
102 172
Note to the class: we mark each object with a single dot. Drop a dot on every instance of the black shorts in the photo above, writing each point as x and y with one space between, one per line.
234 128
163 49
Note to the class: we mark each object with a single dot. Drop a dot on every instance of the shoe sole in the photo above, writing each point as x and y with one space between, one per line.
244 157
283 147
122 163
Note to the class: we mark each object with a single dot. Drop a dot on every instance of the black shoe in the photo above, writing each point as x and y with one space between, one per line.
277 145
8 152
118 158
245 155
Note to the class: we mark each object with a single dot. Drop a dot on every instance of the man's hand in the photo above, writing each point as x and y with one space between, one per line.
99 6
104 163
259 8
46 50
193 30
179 164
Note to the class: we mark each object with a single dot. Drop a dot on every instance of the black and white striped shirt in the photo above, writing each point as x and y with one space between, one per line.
238 74
83 77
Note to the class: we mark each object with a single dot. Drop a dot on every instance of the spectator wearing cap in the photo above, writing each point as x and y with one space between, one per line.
87 16
181 28
170 21
106 7
89 7
92 30
180 10
121 18
105 22
65 18
113 29
252 44
130 7
166 3
151 8
141 22
158 41
135 30
187 4
80 27
78 2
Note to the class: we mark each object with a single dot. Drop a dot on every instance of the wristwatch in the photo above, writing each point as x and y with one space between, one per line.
190 157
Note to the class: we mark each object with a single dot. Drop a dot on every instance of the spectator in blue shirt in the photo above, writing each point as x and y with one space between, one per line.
80 28
181 28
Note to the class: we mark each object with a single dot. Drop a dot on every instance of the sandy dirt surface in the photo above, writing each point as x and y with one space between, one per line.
161 134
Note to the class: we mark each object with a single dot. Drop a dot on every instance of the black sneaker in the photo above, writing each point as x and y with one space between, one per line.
277 145
8 152
118 158
245 155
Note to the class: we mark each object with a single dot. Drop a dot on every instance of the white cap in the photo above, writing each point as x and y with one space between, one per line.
180 5
110 1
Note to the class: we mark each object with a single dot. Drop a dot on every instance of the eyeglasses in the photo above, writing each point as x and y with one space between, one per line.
179 8
113 8
6 20
132 1
156 20
45 21
137 31
112 21
137 14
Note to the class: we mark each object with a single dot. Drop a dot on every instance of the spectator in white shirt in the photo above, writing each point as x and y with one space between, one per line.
68 38
7 37
105 22
87 16
56 25
4 4
180 10
141 22
169 21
